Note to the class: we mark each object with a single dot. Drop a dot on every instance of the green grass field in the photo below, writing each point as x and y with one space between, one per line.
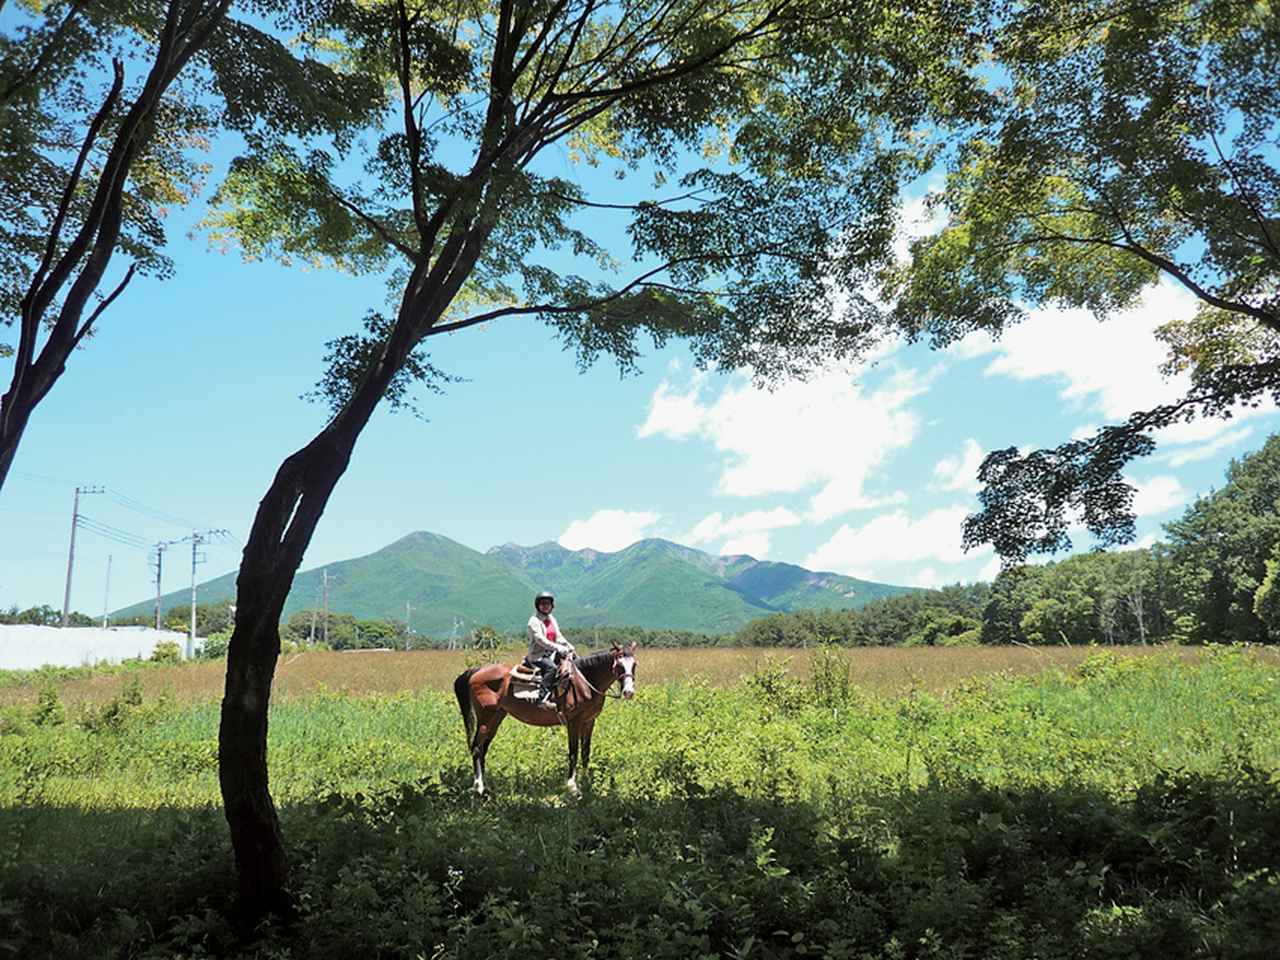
865 804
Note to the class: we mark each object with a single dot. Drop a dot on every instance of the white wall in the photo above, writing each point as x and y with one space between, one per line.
26 647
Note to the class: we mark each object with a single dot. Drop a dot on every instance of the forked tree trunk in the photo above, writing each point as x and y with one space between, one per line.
285 522
282 530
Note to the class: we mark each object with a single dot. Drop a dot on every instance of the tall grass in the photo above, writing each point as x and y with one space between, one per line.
370 672
1106 803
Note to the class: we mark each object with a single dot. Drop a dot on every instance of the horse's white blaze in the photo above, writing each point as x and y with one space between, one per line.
628 676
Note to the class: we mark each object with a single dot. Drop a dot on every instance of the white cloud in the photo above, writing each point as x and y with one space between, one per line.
1206 450
916 221
1106 367
989 571
895 538
977 344
926 577
1157 495
1111 366
714 526
608 530
1145 543
676 415
753 544
961 471
706 530
828 432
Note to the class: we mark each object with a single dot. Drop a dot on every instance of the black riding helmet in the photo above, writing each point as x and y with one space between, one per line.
544 595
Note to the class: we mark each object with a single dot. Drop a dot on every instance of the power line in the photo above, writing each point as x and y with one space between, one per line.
106 530
137 506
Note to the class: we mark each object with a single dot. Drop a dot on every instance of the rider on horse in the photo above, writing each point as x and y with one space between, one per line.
547 643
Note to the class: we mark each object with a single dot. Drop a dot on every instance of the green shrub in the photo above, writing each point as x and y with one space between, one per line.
773 686
166 651
215 645
829 675
112 714
48 711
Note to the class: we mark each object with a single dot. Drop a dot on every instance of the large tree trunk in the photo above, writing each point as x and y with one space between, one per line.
13 422
282 530
285 522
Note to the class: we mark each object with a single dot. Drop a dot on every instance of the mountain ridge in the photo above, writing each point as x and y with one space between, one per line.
443 585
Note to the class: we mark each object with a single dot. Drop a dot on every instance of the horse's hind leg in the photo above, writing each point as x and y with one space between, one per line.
572 784
487 723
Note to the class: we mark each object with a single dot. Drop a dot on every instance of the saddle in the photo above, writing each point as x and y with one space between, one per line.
526 681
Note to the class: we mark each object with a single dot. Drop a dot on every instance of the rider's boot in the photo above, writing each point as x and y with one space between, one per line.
544 694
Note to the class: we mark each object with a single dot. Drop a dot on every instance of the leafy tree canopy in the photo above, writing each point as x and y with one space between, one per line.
765 143
1131 142
106 108
1220 547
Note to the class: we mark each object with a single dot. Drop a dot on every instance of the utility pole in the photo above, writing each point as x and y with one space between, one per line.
106 594
198 539
71 554
408 627
160 548
326 606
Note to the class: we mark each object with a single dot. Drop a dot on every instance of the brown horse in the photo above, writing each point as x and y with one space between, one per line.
485 698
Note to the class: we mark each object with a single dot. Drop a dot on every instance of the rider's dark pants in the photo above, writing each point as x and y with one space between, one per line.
547 668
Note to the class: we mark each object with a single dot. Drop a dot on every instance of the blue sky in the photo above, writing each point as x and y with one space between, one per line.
187 400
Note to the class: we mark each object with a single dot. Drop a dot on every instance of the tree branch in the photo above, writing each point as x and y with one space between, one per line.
45 55
80 335
578 201
1167 266
643 280
377 227
677 70
39 293
1245 197
412 133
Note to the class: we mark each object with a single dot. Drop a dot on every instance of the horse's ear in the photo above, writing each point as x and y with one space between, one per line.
613 645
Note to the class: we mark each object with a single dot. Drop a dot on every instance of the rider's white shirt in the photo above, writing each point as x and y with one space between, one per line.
540 645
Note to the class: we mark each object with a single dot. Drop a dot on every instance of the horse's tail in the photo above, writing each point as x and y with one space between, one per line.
462 689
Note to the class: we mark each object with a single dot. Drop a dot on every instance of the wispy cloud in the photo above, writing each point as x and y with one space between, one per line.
1109 368
609 530
959 472
1157 495
829 435
895 538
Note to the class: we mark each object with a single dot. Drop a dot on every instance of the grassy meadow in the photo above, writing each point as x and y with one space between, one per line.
873 803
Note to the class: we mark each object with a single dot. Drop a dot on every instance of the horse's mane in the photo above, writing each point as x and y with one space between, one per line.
593 660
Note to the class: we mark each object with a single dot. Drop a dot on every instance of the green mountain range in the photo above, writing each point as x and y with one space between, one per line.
655 584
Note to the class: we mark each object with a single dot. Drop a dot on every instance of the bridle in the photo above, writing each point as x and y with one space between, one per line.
617 677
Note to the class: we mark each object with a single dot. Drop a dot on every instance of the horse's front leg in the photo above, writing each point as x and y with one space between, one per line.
587 728
572 785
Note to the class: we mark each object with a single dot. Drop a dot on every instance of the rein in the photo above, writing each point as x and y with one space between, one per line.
608 687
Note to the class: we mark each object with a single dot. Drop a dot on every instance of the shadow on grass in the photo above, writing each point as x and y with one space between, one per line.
1186 868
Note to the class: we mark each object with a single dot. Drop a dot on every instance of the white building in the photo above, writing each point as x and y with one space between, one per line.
24 647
